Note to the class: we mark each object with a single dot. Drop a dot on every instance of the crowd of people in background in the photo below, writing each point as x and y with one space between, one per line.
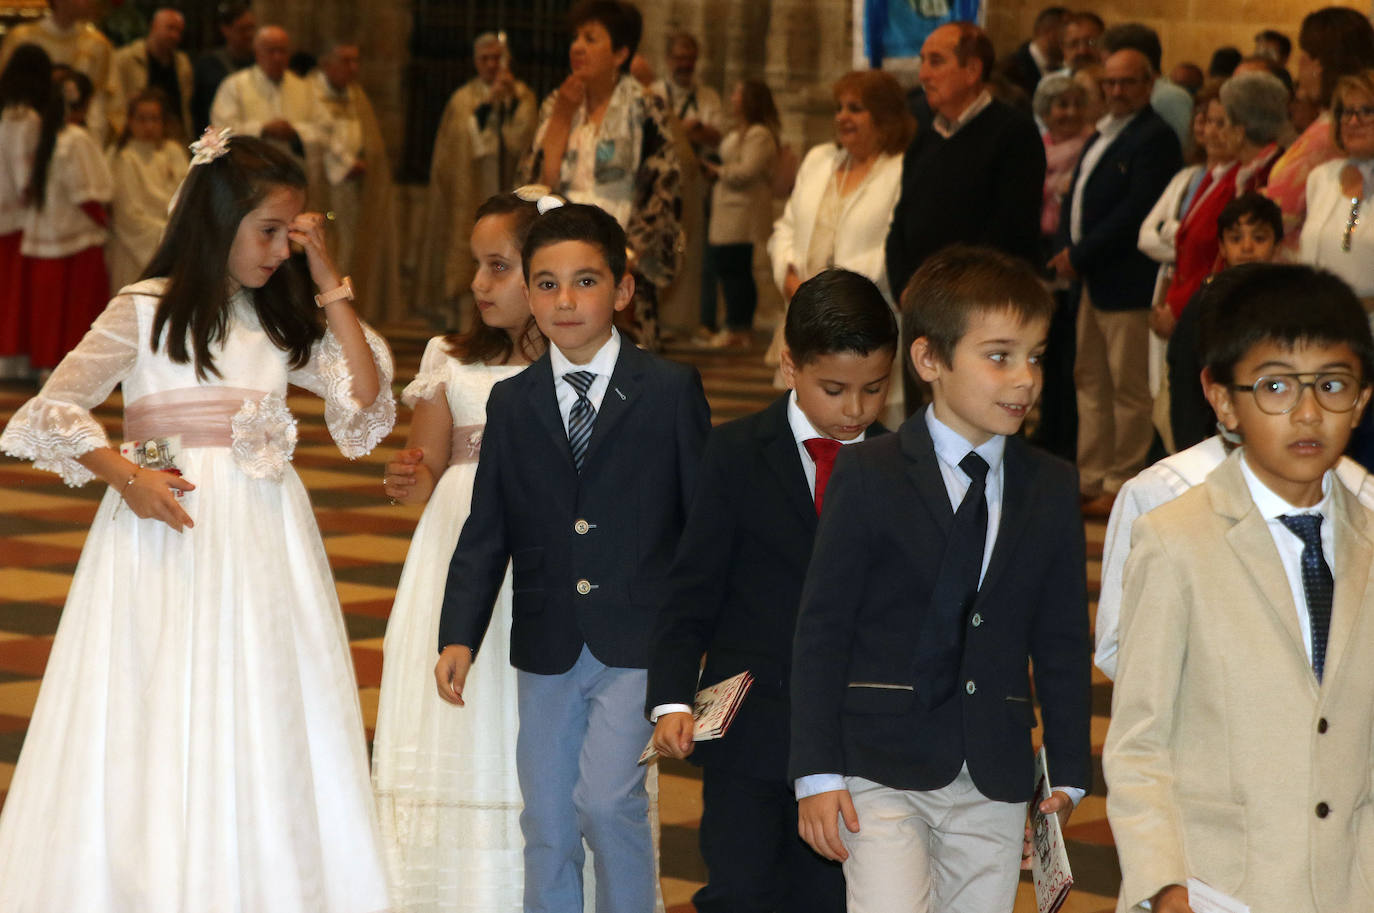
1116 201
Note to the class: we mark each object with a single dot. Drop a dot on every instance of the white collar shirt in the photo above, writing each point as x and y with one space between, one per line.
950 450
947 128
602 365
803 431
1289 544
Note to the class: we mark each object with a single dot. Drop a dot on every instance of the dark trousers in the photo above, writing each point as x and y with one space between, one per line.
755 861
732 265
1190 414
1058 428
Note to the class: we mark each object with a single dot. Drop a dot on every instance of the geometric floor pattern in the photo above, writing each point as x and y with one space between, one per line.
43 524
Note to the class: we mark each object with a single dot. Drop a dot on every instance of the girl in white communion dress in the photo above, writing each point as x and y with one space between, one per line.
197 742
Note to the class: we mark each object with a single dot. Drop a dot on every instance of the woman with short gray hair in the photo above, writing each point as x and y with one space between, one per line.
1244 123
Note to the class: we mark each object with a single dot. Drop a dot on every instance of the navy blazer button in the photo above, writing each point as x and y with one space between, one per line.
970 686
584 587
581 527
1323 809
976 620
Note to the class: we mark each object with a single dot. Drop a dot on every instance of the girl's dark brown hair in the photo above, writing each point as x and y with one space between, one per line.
757 106
151 94
27 80
194 257
492 345
1341 40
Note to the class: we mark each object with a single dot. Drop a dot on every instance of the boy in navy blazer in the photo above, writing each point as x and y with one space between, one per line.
736 584
588 463
949 556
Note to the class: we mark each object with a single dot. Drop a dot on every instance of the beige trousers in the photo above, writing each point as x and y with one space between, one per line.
1112 377
951 850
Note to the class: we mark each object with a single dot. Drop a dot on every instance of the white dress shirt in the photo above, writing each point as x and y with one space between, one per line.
802 431
602 365
1108 129
1289 544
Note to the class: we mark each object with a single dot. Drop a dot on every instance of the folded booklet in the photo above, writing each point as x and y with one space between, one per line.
714 710
1204 898
1049 856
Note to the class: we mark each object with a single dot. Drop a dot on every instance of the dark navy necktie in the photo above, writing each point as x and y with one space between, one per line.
1317 584
941 648
582 417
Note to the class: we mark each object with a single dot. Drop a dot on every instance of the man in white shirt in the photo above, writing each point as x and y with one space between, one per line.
697 106
270 101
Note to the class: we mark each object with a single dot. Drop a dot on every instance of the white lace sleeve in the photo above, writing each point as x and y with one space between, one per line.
356 430
431 379
56 426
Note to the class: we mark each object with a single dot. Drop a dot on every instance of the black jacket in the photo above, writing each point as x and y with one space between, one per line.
589 552
878 551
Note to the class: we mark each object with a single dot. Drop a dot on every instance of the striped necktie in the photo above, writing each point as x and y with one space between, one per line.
582 417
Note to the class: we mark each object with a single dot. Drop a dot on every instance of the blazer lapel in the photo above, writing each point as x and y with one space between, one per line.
544 404
621 394
1255 549
1015 510
1351 573
780 451
923 470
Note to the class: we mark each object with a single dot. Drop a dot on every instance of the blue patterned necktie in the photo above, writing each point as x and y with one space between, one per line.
1317 584
582 417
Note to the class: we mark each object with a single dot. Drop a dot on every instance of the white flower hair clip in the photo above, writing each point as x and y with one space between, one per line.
543 198
211 145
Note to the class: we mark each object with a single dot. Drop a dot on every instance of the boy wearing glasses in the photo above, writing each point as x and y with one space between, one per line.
1242 733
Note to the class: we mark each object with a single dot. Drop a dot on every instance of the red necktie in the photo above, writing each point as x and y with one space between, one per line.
822 450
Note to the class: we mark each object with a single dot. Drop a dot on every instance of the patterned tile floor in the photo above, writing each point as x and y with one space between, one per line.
43 525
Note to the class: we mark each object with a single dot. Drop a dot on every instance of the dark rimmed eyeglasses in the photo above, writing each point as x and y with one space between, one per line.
1278 394
1361 114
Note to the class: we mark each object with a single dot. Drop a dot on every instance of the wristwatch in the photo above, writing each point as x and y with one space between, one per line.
342 293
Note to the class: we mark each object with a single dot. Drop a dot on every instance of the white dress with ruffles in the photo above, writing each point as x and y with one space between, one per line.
197 743
445 777
447 793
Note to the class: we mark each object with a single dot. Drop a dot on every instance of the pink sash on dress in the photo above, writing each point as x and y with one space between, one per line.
466 445
201 415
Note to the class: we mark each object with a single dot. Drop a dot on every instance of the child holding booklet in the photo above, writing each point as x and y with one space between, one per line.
736 585
949 559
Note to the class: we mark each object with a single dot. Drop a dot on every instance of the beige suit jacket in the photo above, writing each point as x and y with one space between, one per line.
1225 759
129 77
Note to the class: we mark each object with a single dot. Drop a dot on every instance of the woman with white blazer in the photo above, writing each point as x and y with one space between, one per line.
741 195
842 202
1338 234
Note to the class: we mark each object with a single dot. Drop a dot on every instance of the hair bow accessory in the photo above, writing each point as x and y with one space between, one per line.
211 145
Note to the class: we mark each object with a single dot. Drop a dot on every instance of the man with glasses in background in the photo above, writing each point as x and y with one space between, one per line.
1125 166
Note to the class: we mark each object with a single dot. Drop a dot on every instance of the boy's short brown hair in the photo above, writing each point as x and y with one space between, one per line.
963 280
